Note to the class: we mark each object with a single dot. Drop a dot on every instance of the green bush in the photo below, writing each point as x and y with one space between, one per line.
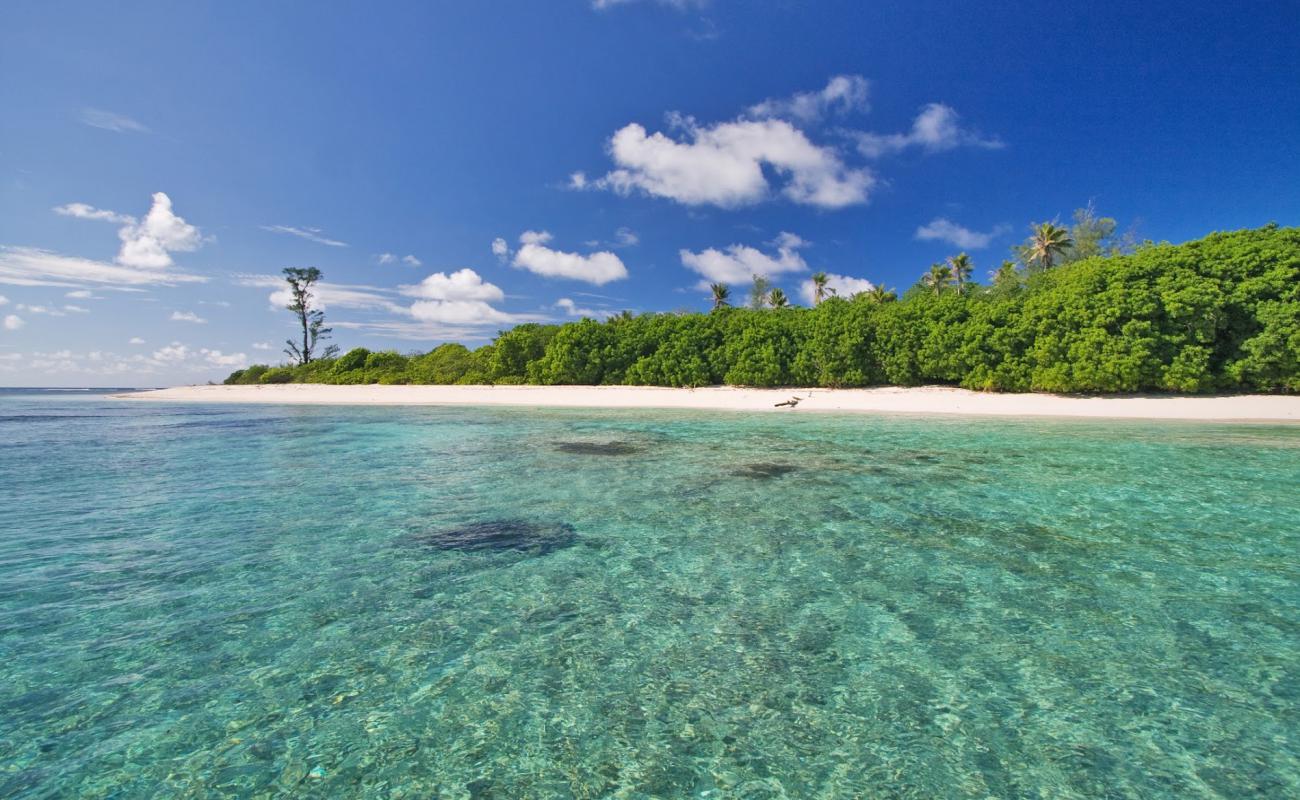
1218 314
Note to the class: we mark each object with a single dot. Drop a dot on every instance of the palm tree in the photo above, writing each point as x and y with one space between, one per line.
937 278
819 281
1048 242
1006 276
758 292
879 294
961 269
720 295
777 299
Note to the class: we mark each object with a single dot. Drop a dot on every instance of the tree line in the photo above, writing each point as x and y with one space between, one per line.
1080 310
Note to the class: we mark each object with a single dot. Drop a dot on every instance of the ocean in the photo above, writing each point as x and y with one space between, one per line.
311 601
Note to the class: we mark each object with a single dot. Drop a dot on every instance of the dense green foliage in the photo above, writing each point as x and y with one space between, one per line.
1217 314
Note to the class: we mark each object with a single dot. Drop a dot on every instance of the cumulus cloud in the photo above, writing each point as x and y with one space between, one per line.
842 94
943 230
936 128
186 316
136 340
4 301
724 165
110 121
13 322
463 284
739 263
149 244
839 285
146 244
500 249
310 234
597 268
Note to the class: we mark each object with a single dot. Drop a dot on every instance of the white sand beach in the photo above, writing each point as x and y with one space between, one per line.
887 400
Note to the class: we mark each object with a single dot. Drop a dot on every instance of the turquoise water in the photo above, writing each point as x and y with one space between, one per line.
266 601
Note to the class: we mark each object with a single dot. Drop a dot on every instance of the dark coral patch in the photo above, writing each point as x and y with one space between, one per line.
500 535
764 470
599 448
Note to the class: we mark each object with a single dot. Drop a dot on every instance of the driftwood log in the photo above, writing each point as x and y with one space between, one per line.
792 402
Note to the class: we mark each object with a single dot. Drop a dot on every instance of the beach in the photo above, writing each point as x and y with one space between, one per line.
886 400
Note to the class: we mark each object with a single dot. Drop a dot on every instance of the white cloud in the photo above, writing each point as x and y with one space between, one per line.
723 165
172 352
840 285
940 229
842 94
261 345
80 294
83 211
935 129
412 261
47 310
680 5
571 308
310 234
598 268
218 359
739 263
148 245
500 249
390 258
186 316
4 301
385 258
578 180
136 340
109 121
324 294
626 237
463 284
30 266
13 322
460 312
76 309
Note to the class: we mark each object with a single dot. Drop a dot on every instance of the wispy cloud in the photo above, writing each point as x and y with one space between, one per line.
936 128
187 316
111 121
30 266
944 230
310 234
842 94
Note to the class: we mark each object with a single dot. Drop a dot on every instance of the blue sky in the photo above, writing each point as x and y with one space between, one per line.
456 168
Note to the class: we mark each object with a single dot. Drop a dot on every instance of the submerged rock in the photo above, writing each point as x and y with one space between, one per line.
764 470
599 448
502 534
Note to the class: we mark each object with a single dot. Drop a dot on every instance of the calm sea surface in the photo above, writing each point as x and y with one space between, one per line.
267 601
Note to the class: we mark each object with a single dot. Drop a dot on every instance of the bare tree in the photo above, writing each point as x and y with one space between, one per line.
312 320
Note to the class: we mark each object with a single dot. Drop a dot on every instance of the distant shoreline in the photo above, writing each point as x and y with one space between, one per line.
885 400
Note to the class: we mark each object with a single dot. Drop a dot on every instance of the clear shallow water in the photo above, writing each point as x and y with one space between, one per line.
251 601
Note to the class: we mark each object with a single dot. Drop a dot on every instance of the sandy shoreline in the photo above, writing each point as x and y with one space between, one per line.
888 400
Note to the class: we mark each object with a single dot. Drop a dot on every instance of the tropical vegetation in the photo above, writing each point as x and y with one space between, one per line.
1217 314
